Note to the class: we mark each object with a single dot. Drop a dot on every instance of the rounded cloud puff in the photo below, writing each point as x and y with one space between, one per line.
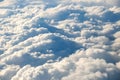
59 40
113 2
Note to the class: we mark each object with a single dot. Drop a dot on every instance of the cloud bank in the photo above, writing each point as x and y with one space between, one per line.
59 40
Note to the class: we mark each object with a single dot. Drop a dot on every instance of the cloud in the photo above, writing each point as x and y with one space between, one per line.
113 2
59 40
8 72
75 66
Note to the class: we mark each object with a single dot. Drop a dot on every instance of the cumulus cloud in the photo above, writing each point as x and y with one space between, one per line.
8 72
59 40
76 66
113 2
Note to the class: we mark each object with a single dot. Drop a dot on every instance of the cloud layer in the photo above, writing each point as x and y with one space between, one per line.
59 40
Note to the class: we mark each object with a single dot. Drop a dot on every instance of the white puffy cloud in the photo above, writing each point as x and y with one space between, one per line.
113 2
59 40
8 72
75 67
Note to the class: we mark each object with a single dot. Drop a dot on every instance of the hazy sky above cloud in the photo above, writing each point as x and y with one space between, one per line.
59 39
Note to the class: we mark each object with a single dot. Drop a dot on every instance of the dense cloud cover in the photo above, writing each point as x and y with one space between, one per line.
59 40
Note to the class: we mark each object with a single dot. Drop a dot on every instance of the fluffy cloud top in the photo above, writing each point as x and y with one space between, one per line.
59 40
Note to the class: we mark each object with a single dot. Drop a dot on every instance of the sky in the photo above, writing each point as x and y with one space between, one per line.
59 40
